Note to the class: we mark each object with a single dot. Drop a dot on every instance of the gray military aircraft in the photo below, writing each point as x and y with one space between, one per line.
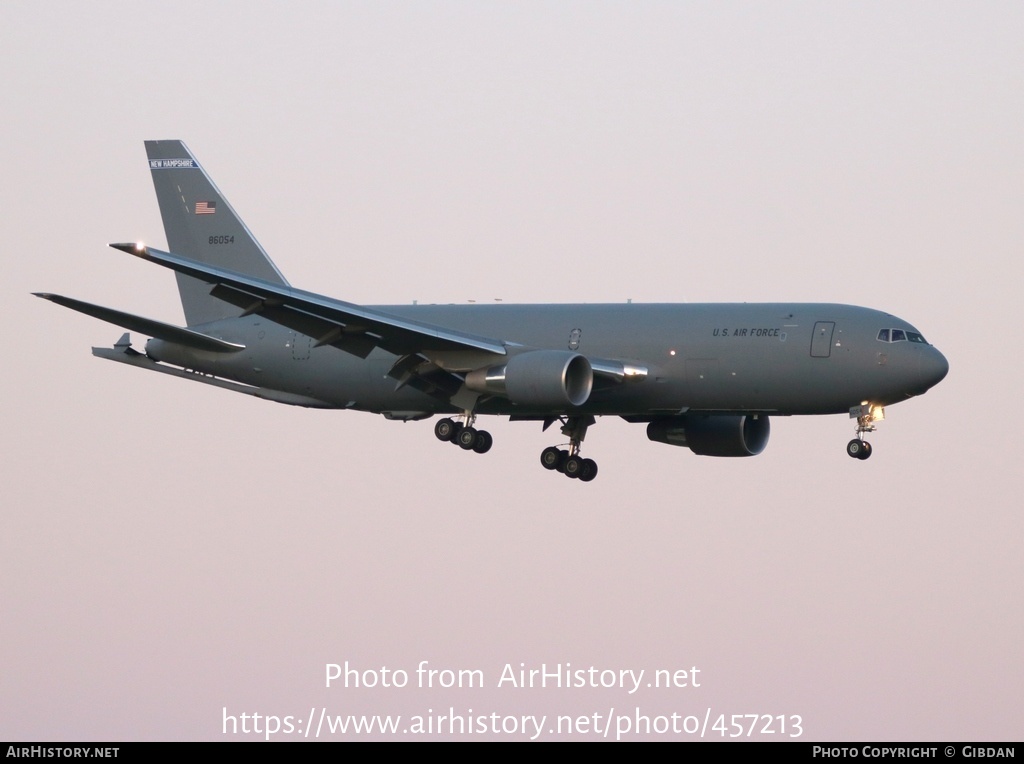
705 376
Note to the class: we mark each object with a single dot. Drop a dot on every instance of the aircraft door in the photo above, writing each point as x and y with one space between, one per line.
821 341
300 346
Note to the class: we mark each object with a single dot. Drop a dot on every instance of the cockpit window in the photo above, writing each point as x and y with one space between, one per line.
899 335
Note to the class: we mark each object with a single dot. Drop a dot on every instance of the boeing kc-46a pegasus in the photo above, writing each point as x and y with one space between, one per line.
705 376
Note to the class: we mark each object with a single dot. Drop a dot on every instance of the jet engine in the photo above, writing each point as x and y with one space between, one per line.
547 380
713 434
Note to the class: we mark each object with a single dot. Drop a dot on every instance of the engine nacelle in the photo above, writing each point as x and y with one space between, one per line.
714 434
546 380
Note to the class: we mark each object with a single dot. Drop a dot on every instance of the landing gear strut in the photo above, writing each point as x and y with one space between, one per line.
866 415
569 462
463 434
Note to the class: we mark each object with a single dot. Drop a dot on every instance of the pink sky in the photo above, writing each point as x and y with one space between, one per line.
170 550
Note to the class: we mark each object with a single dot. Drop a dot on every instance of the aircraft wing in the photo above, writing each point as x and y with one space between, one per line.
328 321
149 326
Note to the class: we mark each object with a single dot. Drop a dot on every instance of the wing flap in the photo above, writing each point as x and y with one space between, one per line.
324 332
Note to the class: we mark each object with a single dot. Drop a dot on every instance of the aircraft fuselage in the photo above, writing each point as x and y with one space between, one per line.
778 358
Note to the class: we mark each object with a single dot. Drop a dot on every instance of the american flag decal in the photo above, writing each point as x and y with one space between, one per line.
206 208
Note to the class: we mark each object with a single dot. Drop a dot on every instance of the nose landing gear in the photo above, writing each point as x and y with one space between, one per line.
866 415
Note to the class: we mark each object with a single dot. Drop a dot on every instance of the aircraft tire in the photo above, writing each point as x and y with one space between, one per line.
455 435
563 457
550 458
588 471
483 442
573 467
466 438
445 430
856 447
865 451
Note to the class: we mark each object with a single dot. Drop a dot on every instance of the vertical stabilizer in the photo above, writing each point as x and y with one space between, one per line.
200 224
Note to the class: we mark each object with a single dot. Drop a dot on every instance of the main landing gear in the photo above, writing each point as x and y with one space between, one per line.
464 435
866 415
570 463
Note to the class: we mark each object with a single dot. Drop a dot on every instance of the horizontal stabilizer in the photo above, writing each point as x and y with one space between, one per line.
148 326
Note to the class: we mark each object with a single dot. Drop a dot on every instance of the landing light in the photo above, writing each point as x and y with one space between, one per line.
140 246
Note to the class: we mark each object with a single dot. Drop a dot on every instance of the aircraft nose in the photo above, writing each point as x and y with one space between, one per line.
933 367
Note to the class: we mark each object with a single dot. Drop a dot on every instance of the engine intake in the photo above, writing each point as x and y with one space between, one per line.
713 434
542 379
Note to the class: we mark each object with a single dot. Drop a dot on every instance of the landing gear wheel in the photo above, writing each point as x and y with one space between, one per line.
858 449
551 457
573 467
466 438
483 442
459 427
445 430
563 457
588 471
